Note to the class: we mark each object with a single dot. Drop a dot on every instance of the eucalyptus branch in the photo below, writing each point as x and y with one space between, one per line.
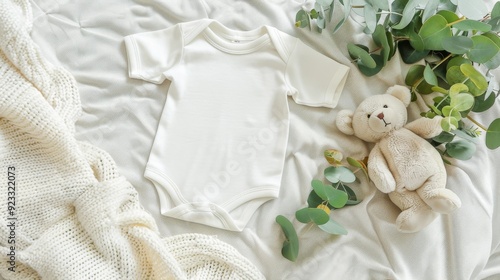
477 123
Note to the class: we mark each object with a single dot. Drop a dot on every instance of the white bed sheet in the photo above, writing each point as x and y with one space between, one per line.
120 115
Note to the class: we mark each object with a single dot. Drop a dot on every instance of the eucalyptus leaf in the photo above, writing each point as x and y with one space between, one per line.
449 111
483 49
454 75
313 200
458 88
448 15
429 76
433 31
343 174
415 73
449 123
430 9
495 12
370 17
472 9
333 227
408 12
381 4
397 8
483 103
290 248
468 25
457 44
358 164
495 24
380 39
462 101
379 60
493 135
444 137
477 78
460 149
302 19
347 9
363 57
416 42
457 61
409 54
315 215
328 193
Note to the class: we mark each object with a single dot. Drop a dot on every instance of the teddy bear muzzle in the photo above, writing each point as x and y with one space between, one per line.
379 121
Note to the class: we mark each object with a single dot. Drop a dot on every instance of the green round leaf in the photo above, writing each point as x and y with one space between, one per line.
457 44
493 135
370 17
444 137
290 248
343 174
475 76
313 200
433 31
415 73
460 149
328 193
472 9
448 15
429 76
482 104
361 55
468 25
454 75
462 102
483 49
458 88
380 39
449 123
449 111
332 227
408 53
408 12
379 60
416 42
457 61
301 19
315 215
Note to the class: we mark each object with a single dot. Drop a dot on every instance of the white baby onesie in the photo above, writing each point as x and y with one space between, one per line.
219 150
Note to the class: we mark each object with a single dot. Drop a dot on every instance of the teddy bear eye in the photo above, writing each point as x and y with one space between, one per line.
369 115
385 106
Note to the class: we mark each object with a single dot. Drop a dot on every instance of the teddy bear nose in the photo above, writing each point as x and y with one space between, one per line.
380 116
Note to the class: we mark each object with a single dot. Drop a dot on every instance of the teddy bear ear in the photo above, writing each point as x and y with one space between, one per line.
344 122
400 92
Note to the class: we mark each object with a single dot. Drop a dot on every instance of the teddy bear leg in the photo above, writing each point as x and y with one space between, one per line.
441 200
415 215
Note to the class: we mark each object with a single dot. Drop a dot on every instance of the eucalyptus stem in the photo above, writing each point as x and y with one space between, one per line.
417 83
477 123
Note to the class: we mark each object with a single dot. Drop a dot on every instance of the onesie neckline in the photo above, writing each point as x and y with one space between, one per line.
236 41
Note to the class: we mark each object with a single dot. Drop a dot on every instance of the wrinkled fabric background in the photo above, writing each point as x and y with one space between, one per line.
120 115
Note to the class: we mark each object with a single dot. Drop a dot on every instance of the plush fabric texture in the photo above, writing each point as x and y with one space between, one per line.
75 216
402 163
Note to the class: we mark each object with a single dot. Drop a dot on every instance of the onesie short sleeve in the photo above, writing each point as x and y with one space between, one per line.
315 79
151 54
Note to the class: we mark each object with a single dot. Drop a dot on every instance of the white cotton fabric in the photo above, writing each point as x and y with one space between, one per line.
120 115
219 150
73 216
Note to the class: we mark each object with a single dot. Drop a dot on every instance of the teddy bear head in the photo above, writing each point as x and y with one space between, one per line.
377 116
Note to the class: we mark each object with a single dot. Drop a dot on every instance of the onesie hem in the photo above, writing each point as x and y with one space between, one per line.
335 87
184 210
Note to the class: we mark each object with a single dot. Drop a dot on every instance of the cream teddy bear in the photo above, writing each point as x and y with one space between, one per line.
402 163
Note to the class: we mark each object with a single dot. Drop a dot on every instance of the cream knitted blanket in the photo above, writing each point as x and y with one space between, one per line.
66 212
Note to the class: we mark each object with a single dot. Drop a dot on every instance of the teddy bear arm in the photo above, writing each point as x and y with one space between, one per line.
425 127
379 171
